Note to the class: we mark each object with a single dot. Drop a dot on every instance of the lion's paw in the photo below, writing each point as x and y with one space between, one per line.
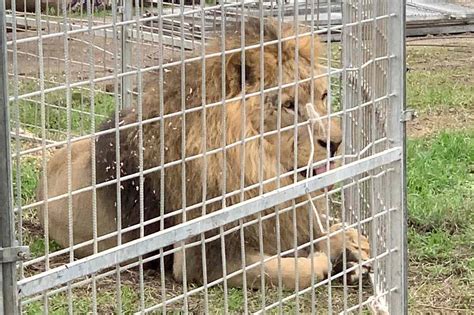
357 251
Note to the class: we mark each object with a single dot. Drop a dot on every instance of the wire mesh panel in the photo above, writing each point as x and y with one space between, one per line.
368 52
207 156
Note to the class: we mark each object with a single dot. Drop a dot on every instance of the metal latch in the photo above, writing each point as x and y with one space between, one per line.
12 254
408 114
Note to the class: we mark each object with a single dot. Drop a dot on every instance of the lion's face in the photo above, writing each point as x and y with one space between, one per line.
294 112
286 109
297 141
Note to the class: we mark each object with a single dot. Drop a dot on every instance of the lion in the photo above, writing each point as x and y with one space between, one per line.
173 146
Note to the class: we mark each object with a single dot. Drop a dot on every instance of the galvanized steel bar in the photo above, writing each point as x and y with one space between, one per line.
111 257
8 287
126 53
398 300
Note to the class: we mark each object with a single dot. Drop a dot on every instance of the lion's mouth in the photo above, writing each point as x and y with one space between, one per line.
319 170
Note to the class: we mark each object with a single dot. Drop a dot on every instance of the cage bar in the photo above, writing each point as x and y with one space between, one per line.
8 256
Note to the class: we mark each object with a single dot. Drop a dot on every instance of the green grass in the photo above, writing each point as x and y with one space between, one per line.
130 300
439 78
437 89
441 220
54 10
82 302
28 174
57 119
441 181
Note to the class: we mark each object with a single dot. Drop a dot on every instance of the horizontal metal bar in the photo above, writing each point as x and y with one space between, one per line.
72 29
101 32
142 246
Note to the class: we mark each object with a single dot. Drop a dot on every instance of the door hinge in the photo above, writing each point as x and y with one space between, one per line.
12 254
408 114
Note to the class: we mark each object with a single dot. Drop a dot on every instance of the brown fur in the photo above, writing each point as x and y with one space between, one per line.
217 135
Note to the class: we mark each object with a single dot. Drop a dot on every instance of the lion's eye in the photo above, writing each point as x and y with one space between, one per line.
290 105
324 96
322 143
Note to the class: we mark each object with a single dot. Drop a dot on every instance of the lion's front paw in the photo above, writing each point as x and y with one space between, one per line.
357 251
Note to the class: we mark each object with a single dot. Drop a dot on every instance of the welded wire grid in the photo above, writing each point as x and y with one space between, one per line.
70 71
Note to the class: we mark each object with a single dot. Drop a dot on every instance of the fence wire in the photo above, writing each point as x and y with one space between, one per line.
205 156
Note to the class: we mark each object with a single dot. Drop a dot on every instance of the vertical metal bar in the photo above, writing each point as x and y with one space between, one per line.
90 10
224 152
126 81
8 294
118 105
349 95
295 150
278 150
204 149
141 146
345 122
43 119
261 141
242 155
311 213
328 155
396 133
67 72
16 118
183 149
162 150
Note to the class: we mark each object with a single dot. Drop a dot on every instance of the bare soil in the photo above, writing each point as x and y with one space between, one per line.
460 56
434 121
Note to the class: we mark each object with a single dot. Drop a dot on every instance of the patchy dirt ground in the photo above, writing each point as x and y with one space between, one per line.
82 51
452 58
434 121
442 92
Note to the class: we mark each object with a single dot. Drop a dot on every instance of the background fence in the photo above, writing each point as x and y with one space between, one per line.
65 71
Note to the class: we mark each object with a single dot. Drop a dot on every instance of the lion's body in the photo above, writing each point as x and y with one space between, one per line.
176 136
81 210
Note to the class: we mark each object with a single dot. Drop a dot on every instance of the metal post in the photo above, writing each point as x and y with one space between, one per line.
8 294
126 82
349 96
397 135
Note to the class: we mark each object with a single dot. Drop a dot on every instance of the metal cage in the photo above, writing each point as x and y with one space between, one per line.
148 147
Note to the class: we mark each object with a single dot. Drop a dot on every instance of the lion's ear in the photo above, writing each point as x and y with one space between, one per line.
235 72
310 46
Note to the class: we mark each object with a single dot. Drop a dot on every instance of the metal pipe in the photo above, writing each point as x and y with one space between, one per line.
397 133
8 294
126 55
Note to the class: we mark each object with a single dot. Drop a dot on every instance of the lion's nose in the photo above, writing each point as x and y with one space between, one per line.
333 146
